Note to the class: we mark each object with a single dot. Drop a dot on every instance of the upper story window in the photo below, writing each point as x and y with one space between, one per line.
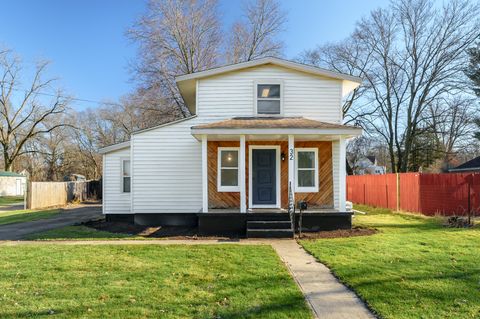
269 99
126 176
228 169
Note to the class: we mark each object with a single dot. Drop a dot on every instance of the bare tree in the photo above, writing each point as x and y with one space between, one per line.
351 57
257 34
175 37
25 113
418 57
452 123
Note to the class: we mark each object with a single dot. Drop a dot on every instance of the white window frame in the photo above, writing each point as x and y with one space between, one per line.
255 94
302 189
221 188
122 190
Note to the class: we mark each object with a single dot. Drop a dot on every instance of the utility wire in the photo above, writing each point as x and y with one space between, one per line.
72 98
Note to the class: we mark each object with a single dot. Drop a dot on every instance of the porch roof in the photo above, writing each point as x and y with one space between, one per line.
274 125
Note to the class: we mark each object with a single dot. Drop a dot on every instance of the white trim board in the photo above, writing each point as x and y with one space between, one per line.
270 60
114 147
250 170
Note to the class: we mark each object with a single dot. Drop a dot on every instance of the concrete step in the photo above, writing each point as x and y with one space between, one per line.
269 224
269 233
268 216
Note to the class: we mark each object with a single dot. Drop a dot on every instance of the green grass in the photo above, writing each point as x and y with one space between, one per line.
6 200
413 268
79 232
20 216
146 281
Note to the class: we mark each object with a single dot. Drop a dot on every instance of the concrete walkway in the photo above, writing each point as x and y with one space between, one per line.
69 216
328 298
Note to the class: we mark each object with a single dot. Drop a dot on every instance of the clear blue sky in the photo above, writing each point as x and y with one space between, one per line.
85 39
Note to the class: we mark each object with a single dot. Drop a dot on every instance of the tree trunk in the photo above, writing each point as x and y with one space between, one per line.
8 165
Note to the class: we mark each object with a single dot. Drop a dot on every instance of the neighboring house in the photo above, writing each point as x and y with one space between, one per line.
470 166
257 127
12 184
368 165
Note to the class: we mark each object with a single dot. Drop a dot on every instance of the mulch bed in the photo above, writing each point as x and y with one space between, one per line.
170 232
354 232
180 232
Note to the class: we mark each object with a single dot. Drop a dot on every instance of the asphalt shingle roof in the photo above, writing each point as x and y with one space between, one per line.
272 122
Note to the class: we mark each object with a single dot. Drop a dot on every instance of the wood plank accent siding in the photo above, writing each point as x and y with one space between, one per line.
219 199
324 197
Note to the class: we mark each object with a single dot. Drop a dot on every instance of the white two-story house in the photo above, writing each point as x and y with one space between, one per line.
263 135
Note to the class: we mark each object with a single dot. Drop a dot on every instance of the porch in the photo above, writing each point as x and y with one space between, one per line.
275 223
273 163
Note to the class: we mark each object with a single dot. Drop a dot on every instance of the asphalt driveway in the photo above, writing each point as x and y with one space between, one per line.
69 216
10 207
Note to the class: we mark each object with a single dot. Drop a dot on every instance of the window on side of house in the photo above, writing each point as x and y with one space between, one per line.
126 176
269 99
306 173
228 169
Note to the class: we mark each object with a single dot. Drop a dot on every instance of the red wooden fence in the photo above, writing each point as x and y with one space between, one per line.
429 194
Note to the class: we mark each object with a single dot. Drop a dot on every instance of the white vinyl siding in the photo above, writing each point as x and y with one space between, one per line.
233 94
115 201
167 173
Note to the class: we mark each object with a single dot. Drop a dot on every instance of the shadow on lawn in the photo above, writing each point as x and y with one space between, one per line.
286 307
171 232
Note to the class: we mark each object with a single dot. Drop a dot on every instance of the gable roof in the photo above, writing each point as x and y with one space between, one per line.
270 60
272 122
187 83
371 158
10 174
114 147
471 165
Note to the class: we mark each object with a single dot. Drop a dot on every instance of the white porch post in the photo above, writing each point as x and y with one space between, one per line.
291 164
204 174
241 182
342 175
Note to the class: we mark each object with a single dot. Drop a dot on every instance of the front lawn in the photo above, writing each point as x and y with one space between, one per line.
413 268
146 281
20 216
7 200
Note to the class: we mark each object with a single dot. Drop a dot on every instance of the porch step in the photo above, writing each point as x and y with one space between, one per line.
269 233
269 224
268 217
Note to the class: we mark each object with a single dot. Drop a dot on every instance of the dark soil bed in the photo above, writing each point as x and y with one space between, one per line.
355 231
170 232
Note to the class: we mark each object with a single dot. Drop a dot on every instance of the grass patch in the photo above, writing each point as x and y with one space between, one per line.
79 232
413 268
20 216
7 200
175 281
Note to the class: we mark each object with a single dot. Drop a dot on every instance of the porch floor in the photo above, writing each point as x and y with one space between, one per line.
271 210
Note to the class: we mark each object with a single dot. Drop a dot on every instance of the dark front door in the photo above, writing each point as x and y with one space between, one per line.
264 177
